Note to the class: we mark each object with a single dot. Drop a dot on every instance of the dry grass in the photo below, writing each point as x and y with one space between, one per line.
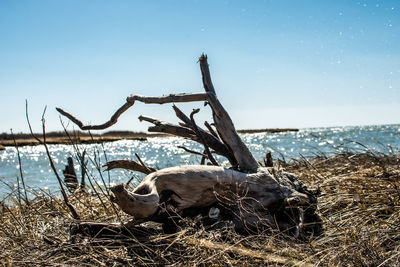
359 205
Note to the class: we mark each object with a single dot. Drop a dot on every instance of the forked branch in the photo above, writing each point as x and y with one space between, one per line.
169 128
211 138
188 133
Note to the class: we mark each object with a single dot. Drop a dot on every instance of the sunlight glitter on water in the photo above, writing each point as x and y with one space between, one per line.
164 152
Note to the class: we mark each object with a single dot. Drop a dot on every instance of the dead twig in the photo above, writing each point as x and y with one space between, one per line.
112 121
64 194
211 129
192 151
144 165
196 129
20 168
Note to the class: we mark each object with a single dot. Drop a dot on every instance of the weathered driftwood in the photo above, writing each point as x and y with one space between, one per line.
251 196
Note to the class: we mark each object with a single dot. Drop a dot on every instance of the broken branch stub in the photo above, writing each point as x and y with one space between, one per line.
128 165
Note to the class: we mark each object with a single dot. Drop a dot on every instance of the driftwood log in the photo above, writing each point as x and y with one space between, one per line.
250 196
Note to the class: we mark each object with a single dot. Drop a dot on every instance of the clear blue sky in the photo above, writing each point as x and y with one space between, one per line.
274 63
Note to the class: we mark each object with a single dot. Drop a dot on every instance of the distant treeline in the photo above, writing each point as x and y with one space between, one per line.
8 136
271 130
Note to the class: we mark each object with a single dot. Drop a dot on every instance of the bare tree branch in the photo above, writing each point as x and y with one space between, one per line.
224 124
144 165
203 159
196 129
211 129
128 165
182 116
130 100
172 98
192 151
188 123
112 121
165 127
205 74
212 141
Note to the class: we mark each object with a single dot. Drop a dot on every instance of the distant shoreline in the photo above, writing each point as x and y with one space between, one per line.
271 130
76 139
84 138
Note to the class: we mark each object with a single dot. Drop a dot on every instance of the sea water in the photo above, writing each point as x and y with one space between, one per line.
164 152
